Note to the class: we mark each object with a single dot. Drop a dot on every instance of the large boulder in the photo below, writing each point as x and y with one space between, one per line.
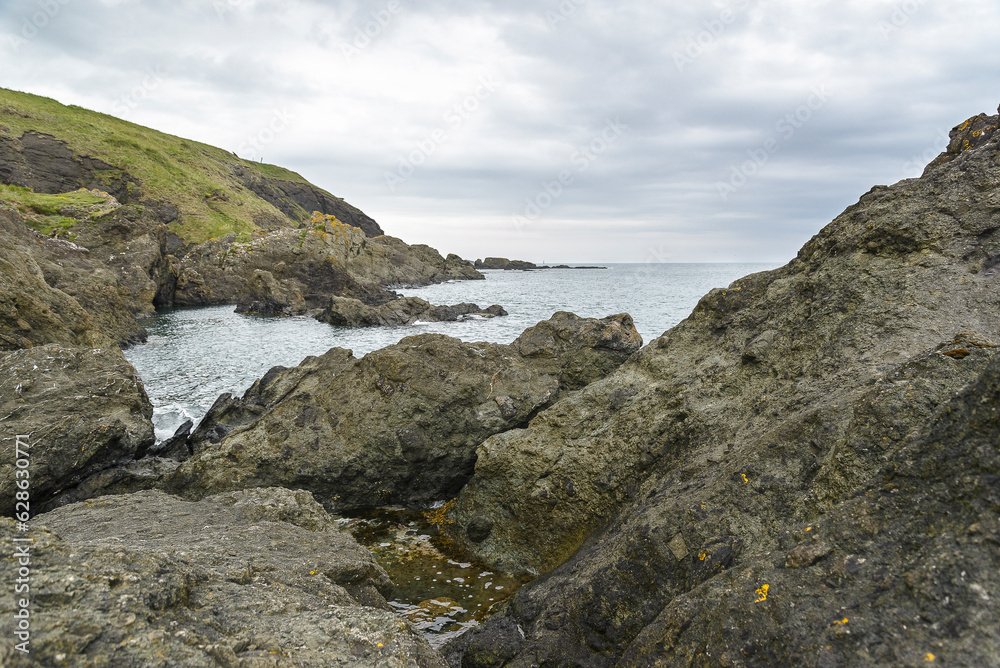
80 410
401 425
251 578
798 473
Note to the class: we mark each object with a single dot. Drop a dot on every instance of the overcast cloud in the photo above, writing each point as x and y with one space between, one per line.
580 130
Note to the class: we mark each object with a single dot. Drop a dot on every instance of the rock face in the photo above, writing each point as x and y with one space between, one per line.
347 312
81 410
290 271
401 425
298 200
45 164
292 245
54 291
256 577
801 472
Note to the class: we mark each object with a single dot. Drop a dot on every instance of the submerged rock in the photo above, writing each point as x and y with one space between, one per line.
81 410
256 577
798 473
401 425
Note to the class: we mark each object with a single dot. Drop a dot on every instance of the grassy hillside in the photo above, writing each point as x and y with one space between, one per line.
196 178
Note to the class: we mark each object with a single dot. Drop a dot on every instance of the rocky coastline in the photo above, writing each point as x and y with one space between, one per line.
502 263
803 472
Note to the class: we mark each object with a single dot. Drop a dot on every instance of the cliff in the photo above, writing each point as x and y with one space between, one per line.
122 219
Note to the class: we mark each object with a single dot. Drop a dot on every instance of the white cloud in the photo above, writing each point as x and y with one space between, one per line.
373 83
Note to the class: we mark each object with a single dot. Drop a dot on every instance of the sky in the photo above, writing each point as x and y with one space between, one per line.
550 131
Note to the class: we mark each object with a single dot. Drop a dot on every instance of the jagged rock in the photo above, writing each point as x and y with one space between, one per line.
399 426
256 577
264 296
53 292
298 201
347 312
798 473
308 267
81 410
177 447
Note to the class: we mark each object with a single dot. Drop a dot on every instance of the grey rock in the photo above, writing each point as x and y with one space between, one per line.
82 410
850 515
401 425
348 312
257 577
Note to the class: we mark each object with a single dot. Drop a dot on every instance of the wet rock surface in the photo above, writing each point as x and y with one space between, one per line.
256 577
401 425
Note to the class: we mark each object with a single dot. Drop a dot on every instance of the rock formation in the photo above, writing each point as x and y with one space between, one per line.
400 425
803 472
81 410
254 235
800 473
256 577
348 312
504 263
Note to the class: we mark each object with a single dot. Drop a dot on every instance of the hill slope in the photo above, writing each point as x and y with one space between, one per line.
198 190
111 219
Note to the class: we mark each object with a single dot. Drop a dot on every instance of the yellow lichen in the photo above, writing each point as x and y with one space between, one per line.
762 593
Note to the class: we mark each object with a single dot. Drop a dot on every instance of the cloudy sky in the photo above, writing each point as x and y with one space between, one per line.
572 130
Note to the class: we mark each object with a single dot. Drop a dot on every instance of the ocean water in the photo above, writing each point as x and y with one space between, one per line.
195 354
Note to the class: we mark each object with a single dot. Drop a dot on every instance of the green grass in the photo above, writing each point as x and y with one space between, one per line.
52 215
170 169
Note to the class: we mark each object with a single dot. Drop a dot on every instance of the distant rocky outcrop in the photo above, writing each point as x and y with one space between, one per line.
400 425
257 577
522 265
504 263
797 474
348 312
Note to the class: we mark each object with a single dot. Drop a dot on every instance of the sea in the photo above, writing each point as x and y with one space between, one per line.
195 354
